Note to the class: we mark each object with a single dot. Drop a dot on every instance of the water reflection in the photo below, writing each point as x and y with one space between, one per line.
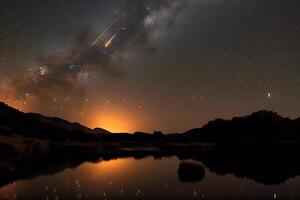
218 173
114 179
115 166
146 178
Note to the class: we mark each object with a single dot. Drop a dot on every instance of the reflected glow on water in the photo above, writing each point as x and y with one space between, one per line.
140 179
117 166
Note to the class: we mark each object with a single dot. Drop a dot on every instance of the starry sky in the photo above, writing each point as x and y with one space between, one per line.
173 65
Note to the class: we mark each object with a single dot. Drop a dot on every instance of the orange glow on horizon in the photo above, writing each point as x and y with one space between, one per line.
113 122
12 102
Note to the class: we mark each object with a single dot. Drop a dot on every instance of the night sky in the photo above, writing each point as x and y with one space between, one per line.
173 65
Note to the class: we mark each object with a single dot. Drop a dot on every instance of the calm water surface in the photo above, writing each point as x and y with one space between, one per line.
147 178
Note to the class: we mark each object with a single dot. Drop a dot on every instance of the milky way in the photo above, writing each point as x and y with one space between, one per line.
173 64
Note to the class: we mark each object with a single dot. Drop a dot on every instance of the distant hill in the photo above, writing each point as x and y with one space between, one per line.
259 126
61 123
15 122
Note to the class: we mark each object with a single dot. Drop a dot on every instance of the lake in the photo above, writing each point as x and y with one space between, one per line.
145 178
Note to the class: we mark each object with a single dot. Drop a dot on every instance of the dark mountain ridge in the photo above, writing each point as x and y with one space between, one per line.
261 126
15 122
62 123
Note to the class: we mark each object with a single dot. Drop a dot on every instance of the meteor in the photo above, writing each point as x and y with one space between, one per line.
102 34
112 38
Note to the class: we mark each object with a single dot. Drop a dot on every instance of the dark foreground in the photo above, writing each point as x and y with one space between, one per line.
266 164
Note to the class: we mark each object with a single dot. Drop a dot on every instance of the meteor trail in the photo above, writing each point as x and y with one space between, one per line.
102 34
112 38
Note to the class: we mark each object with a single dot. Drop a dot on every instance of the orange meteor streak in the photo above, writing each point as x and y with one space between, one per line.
109 41
112 38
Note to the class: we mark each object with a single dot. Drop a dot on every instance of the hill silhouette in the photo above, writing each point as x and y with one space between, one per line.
261 126
31 125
